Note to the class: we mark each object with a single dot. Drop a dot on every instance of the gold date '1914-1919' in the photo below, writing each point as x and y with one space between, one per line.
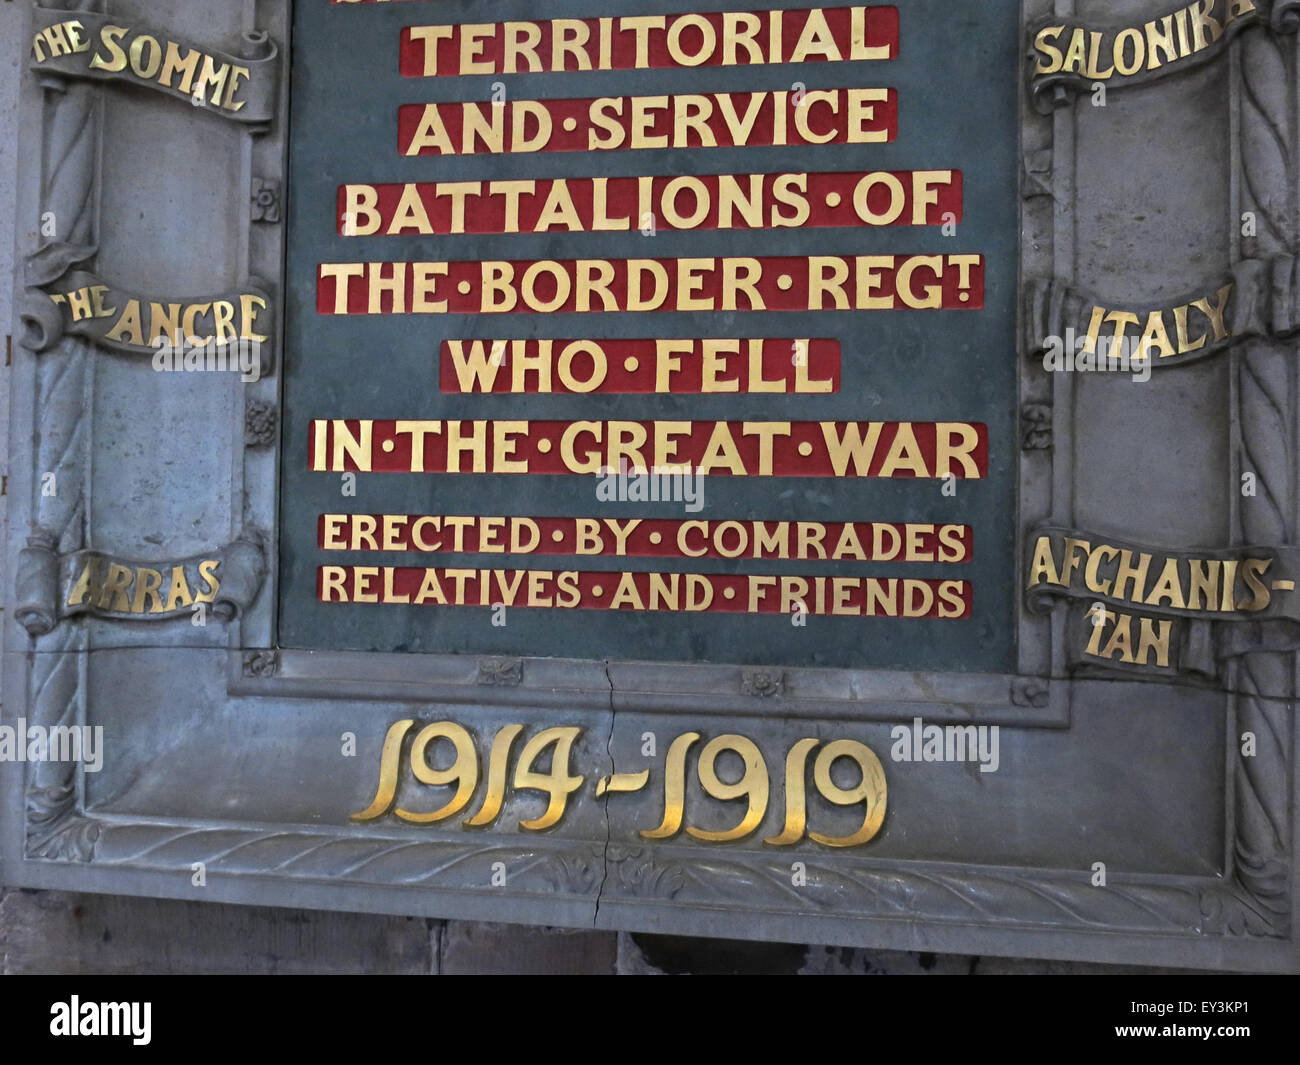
557 783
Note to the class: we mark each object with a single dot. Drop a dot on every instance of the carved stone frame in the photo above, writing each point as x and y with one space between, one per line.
55 837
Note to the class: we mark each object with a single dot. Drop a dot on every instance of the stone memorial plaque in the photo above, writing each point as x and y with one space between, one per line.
810 474
820 344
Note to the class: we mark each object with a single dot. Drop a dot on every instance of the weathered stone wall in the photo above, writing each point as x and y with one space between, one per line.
50 932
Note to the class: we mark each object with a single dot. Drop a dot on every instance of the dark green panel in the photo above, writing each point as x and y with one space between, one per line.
959 99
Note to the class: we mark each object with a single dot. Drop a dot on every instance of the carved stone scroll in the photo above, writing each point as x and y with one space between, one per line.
1260 298
1069 56
106 48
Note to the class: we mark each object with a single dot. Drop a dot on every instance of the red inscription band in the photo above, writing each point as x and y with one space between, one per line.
836 34
624 367
636 204
870 597
618 123
787 283
802 541
903 450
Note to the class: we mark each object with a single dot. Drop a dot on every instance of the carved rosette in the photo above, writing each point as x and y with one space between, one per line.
763 683
500 672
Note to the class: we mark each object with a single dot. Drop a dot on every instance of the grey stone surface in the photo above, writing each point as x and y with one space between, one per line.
277 768
11 16
54 932
486 949
46 932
